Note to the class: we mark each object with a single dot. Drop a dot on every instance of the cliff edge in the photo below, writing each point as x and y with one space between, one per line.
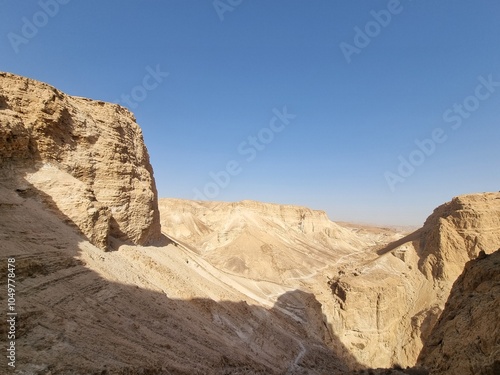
385 309
85 159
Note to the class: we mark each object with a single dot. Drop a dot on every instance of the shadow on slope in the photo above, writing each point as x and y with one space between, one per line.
414 236
72 320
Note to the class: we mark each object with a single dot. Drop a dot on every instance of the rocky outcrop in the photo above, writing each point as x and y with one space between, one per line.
381 302
86 159
384 309
456 232
466 339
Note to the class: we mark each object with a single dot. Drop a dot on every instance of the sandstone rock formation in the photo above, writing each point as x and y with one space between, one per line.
205 217
383 294
385 308
261 240
466 339
84 158
294 247
456 232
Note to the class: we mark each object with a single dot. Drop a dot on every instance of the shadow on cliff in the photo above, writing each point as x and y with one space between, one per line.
74 321
118 238
412 237
3 103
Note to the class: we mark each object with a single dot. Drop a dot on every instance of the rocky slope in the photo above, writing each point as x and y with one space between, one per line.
381 294
277 243
155 310
466 339
72 166
86 159
385 308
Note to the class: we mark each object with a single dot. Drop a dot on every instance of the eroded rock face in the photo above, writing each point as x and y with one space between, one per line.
197 220
466 339
385 309
86 159
456 232
263 241
381 303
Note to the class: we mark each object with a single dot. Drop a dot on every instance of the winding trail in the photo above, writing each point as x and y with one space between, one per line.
259 291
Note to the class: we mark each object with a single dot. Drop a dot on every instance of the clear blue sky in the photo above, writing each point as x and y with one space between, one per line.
364 79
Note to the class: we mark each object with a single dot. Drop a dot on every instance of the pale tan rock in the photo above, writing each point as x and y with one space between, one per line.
85 158
466 339
259 240
456 232
147 310
245 287
384 309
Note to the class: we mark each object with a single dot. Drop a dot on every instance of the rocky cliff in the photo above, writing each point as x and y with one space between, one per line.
466 339
146 310
385 308
85 159
456 232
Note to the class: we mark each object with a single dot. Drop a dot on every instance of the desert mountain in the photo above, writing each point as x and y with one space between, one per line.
222 288
154 310
262 241
381 292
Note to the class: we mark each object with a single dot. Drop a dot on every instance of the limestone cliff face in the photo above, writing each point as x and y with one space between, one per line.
385 309
85 158
466 339
456 232
258 240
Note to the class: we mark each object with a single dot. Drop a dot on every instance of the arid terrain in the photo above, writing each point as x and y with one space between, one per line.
112 280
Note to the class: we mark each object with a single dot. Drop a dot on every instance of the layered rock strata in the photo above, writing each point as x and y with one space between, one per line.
384 309
86 159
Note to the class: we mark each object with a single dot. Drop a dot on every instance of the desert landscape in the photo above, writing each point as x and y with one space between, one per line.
111 279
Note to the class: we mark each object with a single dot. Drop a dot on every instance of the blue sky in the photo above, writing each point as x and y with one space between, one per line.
356 84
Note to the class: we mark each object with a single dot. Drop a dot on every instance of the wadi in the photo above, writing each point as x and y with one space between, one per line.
111 279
